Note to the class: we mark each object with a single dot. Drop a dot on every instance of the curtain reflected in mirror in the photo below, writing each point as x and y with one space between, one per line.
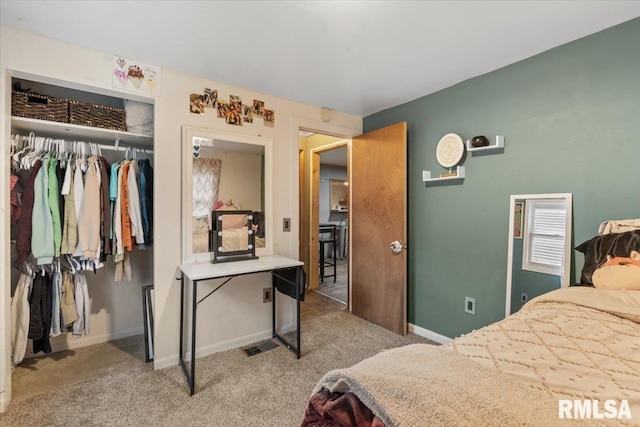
227 176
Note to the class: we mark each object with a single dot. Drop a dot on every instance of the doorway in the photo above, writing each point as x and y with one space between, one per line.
324 212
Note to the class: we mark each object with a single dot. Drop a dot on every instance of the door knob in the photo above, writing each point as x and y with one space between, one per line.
397 247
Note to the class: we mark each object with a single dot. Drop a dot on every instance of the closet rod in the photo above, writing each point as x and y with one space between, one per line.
121 148
116 147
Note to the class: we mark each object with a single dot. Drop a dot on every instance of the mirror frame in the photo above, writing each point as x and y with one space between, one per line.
188 132
565 277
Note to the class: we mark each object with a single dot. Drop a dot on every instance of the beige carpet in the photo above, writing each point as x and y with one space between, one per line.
269 389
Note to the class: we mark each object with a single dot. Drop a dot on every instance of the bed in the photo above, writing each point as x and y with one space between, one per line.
234 237
579 343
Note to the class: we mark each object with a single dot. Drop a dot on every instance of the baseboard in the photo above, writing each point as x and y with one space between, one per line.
166 362
3 402
433 336
73 343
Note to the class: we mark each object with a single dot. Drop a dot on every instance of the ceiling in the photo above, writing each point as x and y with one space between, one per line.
357 57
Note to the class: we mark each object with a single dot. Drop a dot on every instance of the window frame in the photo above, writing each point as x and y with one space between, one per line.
528 263
565 276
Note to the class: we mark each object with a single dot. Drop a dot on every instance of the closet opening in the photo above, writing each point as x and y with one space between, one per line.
81 235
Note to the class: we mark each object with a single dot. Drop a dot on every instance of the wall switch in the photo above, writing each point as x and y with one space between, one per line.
286 224
524 297
470 305
266 295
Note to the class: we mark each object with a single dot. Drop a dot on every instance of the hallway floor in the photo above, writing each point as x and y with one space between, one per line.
339 290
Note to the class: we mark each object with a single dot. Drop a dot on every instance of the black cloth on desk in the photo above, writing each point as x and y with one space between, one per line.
288 286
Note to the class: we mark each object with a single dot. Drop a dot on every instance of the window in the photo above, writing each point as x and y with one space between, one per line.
544 237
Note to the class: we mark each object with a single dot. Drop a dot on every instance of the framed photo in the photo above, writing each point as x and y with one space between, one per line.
518 211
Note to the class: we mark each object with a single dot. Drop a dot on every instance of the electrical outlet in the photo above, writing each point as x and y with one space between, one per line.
470 305
266 295
524 297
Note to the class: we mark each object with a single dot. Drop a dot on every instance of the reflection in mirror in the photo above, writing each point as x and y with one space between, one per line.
223 174
234 235
539 249
338 195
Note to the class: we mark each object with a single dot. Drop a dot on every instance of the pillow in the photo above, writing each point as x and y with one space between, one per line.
619 273
200 225
596 250
232 221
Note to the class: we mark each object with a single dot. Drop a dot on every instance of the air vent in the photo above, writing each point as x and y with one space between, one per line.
260 347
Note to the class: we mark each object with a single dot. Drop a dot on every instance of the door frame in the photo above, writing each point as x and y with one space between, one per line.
301 124
314 210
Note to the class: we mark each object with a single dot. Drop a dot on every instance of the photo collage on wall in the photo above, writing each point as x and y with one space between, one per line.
233 111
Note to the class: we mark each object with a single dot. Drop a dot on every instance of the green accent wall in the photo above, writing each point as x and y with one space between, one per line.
571 121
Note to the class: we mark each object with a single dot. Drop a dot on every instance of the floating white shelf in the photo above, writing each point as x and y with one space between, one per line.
70 131
499 144
426 175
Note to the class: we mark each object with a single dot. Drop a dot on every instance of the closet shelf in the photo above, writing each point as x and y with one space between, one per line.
426 175
77 132
499 144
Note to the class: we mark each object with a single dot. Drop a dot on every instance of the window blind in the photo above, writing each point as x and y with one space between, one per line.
545 236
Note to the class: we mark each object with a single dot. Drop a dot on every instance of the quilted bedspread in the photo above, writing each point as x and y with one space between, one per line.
573 344
577 343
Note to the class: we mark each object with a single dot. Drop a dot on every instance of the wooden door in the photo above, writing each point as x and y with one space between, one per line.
378 216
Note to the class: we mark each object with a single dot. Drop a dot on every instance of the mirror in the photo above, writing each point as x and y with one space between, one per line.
224 172
338 197
539 246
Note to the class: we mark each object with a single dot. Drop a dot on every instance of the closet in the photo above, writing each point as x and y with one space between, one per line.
105 276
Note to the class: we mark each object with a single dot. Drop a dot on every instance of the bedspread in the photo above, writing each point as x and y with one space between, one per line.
576 343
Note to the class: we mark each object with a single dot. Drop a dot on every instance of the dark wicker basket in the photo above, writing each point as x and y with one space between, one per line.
33 106
97 116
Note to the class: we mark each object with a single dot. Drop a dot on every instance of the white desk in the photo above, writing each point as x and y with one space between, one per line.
199 271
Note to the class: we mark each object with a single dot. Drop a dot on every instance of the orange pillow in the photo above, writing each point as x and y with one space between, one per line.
619 273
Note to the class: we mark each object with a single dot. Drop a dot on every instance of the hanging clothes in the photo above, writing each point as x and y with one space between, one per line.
15 192
70 225
78 197
116 194
127 239
105 208
20 314
23 239
40 313
42 246
145 182
67 302
83 305
135 213
53 201
56 295
89 228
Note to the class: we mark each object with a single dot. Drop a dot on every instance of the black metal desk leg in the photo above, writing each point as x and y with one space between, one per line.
273 307
181 317
298 288
194 307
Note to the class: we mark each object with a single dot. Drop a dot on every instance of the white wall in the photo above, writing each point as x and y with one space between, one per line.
234 313
240 178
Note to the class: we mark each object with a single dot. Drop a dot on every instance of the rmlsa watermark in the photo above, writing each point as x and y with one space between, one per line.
593 409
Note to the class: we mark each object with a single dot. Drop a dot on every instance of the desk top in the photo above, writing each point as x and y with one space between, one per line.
207 270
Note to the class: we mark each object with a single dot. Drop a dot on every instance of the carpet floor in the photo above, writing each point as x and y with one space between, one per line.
232 389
